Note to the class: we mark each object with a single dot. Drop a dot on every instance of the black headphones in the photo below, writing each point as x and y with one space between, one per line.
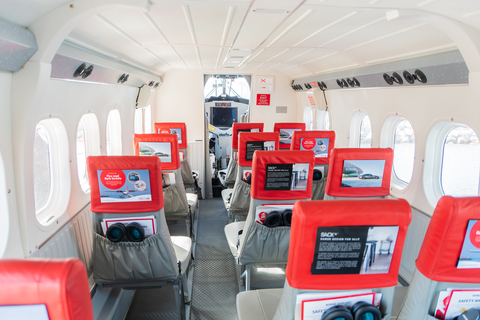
116 232
273 219
317 174
276 219
359 311
133 231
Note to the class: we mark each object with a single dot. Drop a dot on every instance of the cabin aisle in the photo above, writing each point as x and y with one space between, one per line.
214 278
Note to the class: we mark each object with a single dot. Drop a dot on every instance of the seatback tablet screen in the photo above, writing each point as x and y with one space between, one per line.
362 173
163 150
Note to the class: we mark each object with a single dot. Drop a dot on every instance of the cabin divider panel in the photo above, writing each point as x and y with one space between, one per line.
415 235
72 240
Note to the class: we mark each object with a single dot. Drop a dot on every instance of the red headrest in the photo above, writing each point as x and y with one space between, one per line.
268 189
359 172
245 137
60 284
243 127
129 184
179 128
309 215
321 142
159 144
442 246
287 128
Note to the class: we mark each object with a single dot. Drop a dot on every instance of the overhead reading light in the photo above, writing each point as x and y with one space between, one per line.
340 83
322 85
151 83
350 82
420 76
408 77
83 71
274 11
387 79
156 85
356 83
396 77
123 78
345 84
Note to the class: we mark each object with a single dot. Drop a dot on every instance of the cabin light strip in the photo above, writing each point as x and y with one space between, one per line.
353 31
188 19
299 55
291 26
319 58
421 4
388 35
414 53
339 68
471 14
277 55
326 27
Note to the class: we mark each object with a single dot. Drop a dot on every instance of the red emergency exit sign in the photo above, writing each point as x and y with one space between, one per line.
263 99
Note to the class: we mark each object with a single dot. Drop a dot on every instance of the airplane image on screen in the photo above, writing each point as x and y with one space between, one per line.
126 193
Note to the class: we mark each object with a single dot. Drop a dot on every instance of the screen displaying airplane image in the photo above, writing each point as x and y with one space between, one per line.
286 135
362 173
163 150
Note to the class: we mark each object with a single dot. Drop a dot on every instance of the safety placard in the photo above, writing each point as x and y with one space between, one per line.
263 99
265 83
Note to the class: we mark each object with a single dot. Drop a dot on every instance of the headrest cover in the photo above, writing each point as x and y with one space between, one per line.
60 284
320 142
309 215
128 184
444 239
243 127
163 145
286 130
359 172
245 153
179 128
282 175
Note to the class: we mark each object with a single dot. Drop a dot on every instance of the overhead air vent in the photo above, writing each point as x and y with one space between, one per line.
322 85
420 76
408 77
396 77
387 79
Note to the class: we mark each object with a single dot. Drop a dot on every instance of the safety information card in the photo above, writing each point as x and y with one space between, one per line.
252 146
287 176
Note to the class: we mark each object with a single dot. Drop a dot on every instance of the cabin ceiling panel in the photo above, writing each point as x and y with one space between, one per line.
135 24
258 26
332 63
280 54
421 41
25 13
187 53
208 21
208 54
170 19
298 71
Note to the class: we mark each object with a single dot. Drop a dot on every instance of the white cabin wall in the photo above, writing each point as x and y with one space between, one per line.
68 101
180 98
10 239
423 106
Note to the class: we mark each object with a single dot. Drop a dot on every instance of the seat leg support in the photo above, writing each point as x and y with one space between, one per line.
246 274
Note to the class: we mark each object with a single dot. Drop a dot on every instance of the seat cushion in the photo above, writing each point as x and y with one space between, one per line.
258 304
226 197
231 233
183 249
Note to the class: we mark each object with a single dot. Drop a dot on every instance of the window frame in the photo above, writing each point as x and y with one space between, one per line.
355 128
59 171
113 129
308 113
92 144
320 120
432 171
387 140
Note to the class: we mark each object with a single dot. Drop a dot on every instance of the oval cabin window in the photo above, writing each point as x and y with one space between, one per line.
87 144
365 138
461 163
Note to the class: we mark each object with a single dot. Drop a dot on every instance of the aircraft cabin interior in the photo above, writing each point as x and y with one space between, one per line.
240 159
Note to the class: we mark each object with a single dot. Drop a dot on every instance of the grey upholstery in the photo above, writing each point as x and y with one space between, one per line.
187 176
231 233
240 200
318 186
231 175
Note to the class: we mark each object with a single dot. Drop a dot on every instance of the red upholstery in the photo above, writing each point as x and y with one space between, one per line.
310 136
288 125
260 161
244 137
243 126
125 163
60 284
308 215
164 127
162 137
443 241
338 156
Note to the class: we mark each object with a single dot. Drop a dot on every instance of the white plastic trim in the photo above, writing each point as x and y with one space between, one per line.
322 117
387 140
355 123
432 170
114 133
308 118
60 172
92 142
